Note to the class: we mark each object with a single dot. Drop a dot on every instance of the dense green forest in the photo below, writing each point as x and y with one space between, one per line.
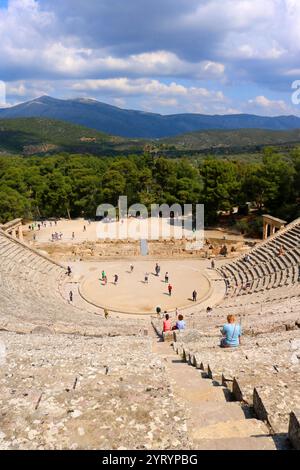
62 185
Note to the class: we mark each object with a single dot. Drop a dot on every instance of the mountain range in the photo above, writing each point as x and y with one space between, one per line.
42 136
139 124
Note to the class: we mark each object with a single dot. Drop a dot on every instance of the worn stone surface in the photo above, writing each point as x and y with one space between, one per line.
86 393
72 379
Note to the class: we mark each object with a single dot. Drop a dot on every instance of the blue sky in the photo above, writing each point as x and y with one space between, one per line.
168 56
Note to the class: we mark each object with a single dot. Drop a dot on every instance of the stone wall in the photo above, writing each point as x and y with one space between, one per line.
94 251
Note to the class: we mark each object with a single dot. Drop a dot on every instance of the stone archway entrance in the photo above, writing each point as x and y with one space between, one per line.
271 225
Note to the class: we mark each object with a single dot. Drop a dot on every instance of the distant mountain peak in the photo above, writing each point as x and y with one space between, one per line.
46 99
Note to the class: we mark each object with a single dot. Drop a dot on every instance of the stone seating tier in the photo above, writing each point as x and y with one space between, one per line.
30 296
263 374
267 267
73 392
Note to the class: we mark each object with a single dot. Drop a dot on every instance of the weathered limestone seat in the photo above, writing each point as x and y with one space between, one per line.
267 363
270 264
61 392
168 336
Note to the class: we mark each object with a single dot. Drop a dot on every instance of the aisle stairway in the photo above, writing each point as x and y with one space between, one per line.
215 421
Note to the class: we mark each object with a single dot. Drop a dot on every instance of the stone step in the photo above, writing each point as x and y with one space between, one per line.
231 429
192 387
243 443
210 413
204 394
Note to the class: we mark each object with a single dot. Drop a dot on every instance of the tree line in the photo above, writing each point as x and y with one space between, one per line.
74 185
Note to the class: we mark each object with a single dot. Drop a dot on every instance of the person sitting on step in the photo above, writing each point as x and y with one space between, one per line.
167 324
231 332
180 324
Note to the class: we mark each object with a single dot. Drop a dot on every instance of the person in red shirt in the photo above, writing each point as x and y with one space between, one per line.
170 288
167 324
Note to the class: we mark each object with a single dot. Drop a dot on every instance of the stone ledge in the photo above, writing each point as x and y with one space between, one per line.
168 336
294 429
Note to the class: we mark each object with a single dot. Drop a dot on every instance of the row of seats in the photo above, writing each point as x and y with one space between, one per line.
270 265
263 292
31 296
73 392
268 363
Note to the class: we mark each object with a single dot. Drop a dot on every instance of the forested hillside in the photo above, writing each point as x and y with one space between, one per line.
76 184
40 136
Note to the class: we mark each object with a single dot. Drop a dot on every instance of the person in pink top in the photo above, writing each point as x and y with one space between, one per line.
167 324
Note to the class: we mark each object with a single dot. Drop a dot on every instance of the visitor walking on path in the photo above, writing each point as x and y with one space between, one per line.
116 279
157 269
213 264
131 268
106 314
146 278
71 296
170 289
167 278
195 296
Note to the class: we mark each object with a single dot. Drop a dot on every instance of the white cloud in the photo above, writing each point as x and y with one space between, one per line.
127 87
230 14
106 47
154 95
269 106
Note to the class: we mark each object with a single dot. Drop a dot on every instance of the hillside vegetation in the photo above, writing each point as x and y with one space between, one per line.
41 136
34 136
75 185
231 140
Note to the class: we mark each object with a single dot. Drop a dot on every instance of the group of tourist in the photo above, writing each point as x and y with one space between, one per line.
179 325
42 224
231 331
55 237
104 280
